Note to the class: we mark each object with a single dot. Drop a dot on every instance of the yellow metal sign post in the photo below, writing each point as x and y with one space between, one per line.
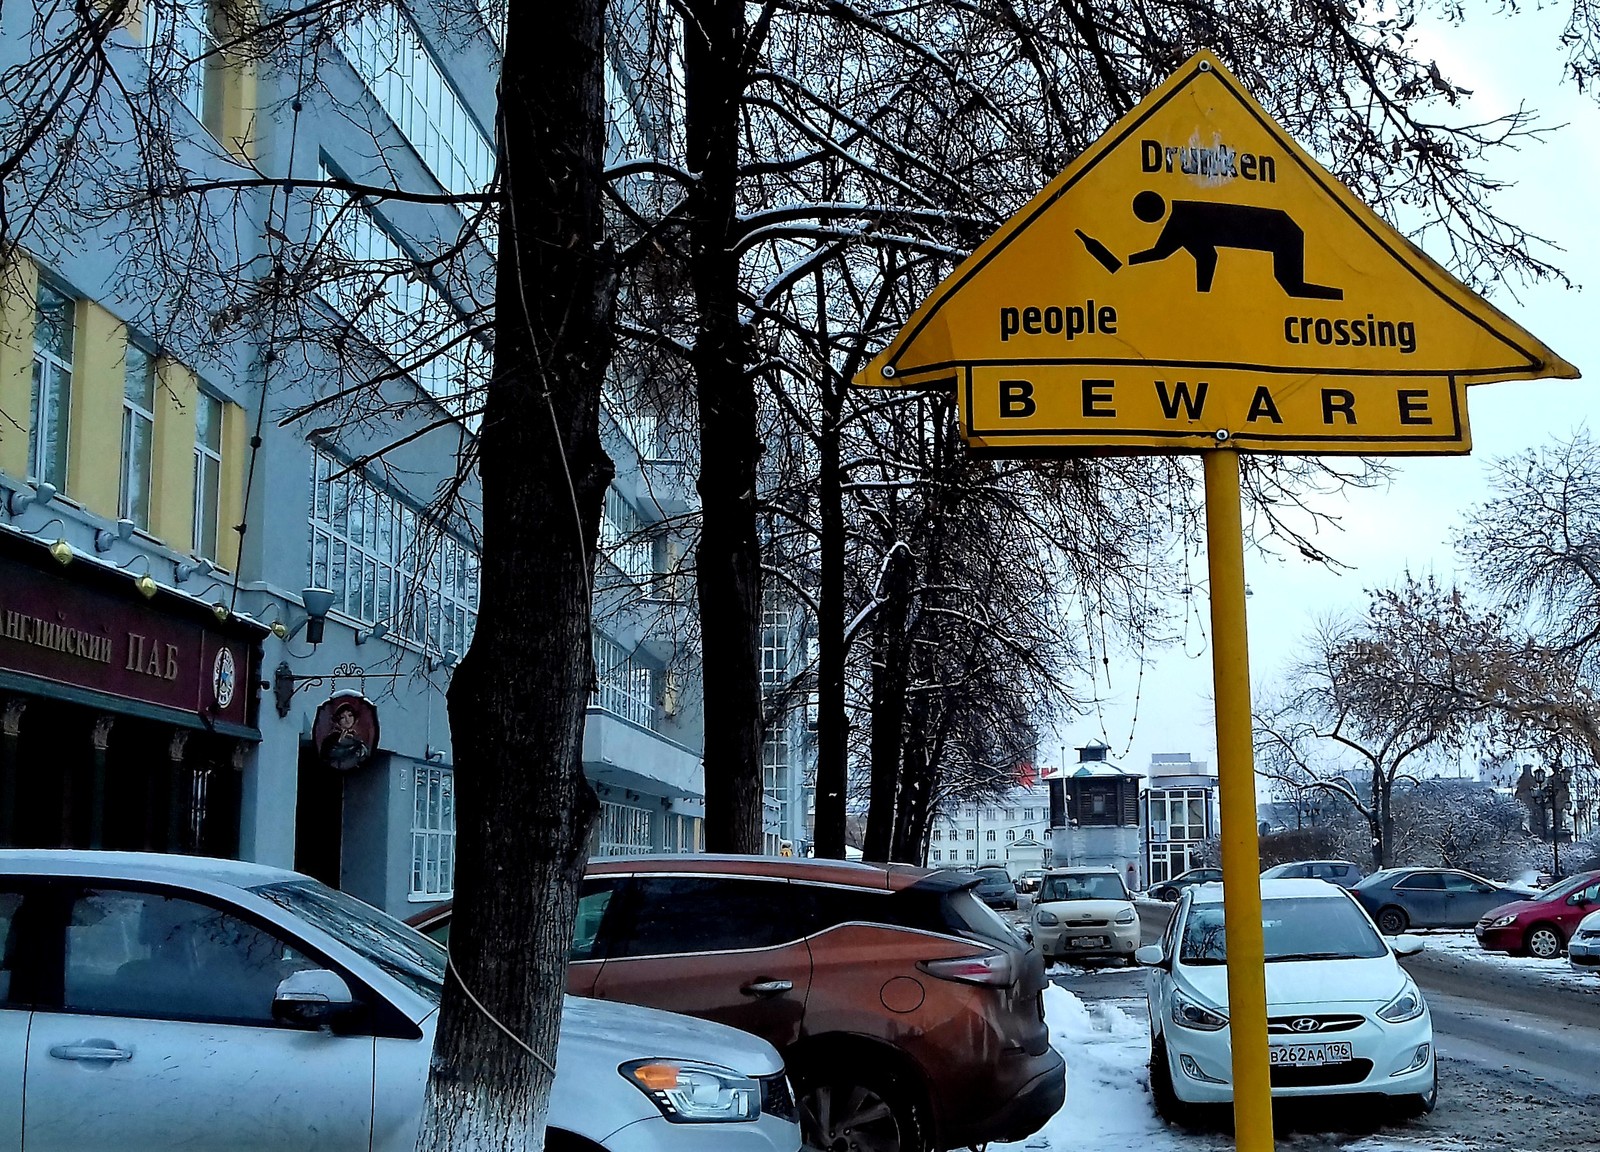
1195 282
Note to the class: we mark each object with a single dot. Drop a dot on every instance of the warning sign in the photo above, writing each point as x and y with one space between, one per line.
1196 278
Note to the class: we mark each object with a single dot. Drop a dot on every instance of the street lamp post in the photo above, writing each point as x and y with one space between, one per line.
1550 792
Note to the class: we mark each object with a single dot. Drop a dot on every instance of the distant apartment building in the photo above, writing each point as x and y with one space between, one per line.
1178 810
1009 830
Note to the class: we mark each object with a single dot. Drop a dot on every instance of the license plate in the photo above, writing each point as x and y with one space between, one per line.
1089 942
1311 1055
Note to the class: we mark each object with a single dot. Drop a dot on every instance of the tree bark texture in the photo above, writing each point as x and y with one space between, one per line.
890 673
728 562
828 832
517 700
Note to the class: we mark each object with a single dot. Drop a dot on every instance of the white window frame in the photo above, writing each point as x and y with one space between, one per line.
135 414
622 537
410 573
433 834
52 374
623 686
207 505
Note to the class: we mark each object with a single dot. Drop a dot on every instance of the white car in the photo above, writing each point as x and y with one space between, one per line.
1084 912
1342 1015
1583 950
152 1002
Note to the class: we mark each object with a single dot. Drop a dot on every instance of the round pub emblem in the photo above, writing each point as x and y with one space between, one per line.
224 677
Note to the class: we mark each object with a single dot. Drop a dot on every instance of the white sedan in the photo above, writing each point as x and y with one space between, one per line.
154 1002
1342 1015
1583 950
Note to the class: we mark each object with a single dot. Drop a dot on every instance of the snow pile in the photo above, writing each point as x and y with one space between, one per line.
1464 946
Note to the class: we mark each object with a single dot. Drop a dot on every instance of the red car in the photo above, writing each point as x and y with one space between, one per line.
1542 926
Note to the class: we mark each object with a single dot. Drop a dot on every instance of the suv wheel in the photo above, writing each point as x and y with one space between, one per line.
1410 1107
856 1109
1544 941
1392 921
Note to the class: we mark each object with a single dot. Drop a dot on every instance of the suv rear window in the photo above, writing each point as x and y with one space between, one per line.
947 911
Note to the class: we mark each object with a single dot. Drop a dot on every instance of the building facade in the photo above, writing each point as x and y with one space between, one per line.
1100 816
205 563
1179 814
1008 831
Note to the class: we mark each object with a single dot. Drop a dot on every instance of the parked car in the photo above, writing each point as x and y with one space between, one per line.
213 1004
1583 950
995 888
1342 1015
1542 925
1339 872
1084 912
1169 890
1402 898
910 1014
1029 881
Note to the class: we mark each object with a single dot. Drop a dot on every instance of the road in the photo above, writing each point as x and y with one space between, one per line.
1519 1055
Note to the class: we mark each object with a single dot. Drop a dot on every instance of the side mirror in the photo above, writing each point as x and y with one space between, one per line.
1151 956
1025 932
1407 945
311 998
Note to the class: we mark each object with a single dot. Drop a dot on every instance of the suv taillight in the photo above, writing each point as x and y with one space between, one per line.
994 969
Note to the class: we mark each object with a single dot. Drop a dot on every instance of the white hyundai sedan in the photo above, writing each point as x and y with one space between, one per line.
155 1002
1342 1015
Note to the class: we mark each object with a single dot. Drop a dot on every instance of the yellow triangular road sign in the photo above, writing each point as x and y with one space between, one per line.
1196 277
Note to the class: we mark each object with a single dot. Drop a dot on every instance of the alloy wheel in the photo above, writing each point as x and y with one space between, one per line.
848 1118
1544 942
1391 921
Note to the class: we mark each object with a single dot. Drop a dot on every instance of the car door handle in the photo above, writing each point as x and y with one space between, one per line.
93 1050
768 988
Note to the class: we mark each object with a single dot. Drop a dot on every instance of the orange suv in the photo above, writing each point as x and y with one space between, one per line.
909 1014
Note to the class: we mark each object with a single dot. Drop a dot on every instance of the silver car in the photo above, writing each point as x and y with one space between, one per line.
153 1002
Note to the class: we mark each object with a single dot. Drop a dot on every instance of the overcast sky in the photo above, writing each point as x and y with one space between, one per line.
1505 60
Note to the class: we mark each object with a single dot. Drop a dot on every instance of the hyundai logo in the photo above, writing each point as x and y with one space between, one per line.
1305 1024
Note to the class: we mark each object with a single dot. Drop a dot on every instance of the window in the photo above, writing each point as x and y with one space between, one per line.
1422 882
52 388
938 833
988 813
972 833
971 855
989 854
183 37
593 900
1097 803
622 538
138 434
207 474
676 915
936 855
433 834
989 835
1011 833
624 830
385 561
1006 814
389 56
623 688
683 833
10 951
131 953
1048 852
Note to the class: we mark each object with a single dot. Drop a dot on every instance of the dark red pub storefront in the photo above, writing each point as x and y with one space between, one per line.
124 720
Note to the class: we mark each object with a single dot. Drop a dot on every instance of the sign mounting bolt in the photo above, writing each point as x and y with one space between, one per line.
888 371
1222 435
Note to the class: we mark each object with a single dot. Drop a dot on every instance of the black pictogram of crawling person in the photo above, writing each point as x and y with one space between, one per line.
1200 228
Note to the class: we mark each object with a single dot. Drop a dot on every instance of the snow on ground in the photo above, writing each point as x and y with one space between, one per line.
1465 946
1106 1045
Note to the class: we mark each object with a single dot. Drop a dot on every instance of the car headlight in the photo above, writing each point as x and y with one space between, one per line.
1187 1013
689 1093
1502 921
1127 917
1406 1006
1048 919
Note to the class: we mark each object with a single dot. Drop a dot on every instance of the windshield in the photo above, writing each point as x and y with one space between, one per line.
402 952
994 876
1097 886
1294 928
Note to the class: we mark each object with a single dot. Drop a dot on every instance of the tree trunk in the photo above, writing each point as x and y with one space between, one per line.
889 676
728 562
517 700
833 768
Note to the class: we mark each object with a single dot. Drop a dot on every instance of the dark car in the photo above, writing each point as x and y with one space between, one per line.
1340 873
995 888
1402 898
1170 890
1541 926
909 1014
